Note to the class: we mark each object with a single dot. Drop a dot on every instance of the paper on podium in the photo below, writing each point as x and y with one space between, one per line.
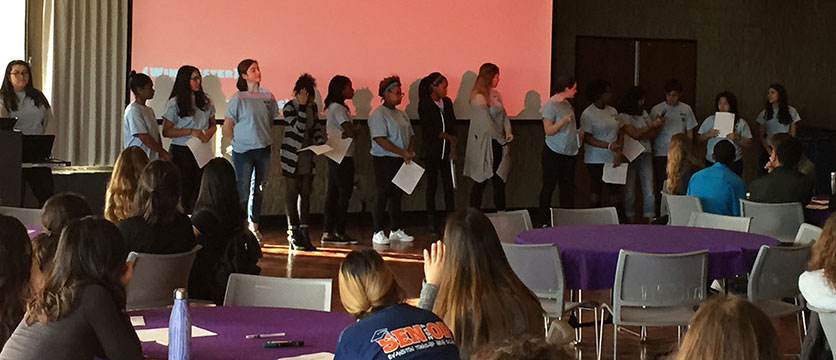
408 176
339 146
632 148
724 123
615 175
160 335
316 356
317 149
202 151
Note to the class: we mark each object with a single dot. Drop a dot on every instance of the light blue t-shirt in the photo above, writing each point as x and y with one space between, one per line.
639 122
337 115
773 126
30 118
140 119
199 121
393 124
253 113
565 140
603 125
678 119
741 128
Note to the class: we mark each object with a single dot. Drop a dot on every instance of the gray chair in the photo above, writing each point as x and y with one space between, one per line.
25 215
779 221
656 290
596 216
807 233
268 291
156 276
827 319
721 222
540 268
680 208
774 277
510 223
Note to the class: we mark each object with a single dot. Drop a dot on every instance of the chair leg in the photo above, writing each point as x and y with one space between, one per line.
599 333
614 341
597 344
678 336
546 324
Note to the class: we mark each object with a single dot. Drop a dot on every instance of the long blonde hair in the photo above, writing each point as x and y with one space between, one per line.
729 327
367 284
680 157
824 252
483 81
119 198
479 296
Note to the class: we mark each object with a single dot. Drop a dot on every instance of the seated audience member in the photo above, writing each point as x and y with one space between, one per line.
471 286
718 188
80 314
805 165
818 284
119 197
729 327
15 260
532 348
220 227
368 291
158 225
682 163
784 183
58 211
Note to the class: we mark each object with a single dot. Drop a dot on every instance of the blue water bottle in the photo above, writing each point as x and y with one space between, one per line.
179 327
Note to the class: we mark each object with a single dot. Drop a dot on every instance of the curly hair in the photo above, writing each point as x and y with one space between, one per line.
680 157
119 197
824 252
386 82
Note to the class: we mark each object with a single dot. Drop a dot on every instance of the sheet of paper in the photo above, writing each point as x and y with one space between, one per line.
408 176
504 167
724 123
160 335
202 151
137 321
632 148
453 173
316 356
338 145
615 175
318 149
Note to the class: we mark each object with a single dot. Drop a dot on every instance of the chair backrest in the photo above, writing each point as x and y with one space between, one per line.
663 206
827 319
25 215
659 280
268 291
539 267
156 276
775 273
722 222
510 223
680 208
807 233
780 221
596 216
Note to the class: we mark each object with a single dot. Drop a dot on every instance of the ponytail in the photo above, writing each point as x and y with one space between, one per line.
367 284
243 66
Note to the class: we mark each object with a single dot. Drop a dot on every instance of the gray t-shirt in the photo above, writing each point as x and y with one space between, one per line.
337 115
393 124
679 118
30 118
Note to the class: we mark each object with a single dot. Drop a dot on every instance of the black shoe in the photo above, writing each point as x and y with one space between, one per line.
332 239
346 238
305 241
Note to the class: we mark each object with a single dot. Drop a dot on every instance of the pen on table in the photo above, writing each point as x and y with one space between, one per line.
258 336
282 343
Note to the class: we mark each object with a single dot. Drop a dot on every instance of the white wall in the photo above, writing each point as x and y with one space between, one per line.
13 26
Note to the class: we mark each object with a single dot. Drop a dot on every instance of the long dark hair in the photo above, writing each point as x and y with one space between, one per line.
158 192
630 102
15 262
8 91
219 193
91 252
335 90
183 92
784 116
58 212
243 66
732 100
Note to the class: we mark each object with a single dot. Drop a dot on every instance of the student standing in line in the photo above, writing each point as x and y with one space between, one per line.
340 176
20 99
392 146
741 137
139 127
604 139
637 125
776 117
249 116
189 113
489 137
438 143
563 141
302 130
677 118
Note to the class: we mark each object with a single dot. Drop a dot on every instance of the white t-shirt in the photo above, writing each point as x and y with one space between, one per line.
678 119
603 125
740 128
639 122
816 290
30 118
336 116
199 120
773 126
140 119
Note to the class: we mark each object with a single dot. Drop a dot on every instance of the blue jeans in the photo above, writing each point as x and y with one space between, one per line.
244 164
642 168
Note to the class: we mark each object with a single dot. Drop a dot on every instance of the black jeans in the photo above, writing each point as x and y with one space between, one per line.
660 166
386 193
340 187
41 183
498 184
558 169
435 167
298 198
190 175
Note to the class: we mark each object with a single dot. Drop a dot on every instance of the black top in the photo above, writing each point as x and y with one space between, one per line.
782 185
169 238
429 116
684 177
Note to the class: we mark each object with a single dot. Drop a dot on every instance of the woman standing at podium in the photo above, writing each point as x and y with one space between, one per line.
20 99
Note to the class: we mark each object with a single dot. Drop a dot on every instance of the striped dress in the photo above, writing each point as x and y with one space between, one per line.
299 132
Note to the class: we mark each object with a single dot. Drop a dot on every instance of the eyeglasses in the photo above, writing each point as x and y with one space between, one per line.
399 93
20 73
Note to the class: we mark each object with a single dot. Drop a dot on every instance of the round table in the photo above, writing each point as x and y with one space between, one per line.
590 253
318 329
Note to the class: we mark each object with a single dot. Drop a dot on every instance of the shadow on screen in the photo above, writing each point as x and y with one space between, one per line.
212 88
531 108
461 105
162 88
362 101
412 107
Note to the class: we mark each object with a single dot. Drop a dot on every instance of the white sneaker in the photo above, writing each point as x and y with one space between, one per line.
399 235
380 238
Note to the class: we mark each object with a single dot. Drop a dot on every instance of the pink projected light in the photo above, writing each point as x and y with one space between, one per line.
364 40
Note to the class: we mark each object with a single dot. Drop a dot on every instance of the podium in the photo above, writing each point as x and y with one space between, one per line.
11 168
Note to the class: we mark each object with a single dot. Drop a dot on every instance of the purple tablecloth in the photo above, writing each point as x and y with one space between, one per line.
817 215
590 253
318 329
